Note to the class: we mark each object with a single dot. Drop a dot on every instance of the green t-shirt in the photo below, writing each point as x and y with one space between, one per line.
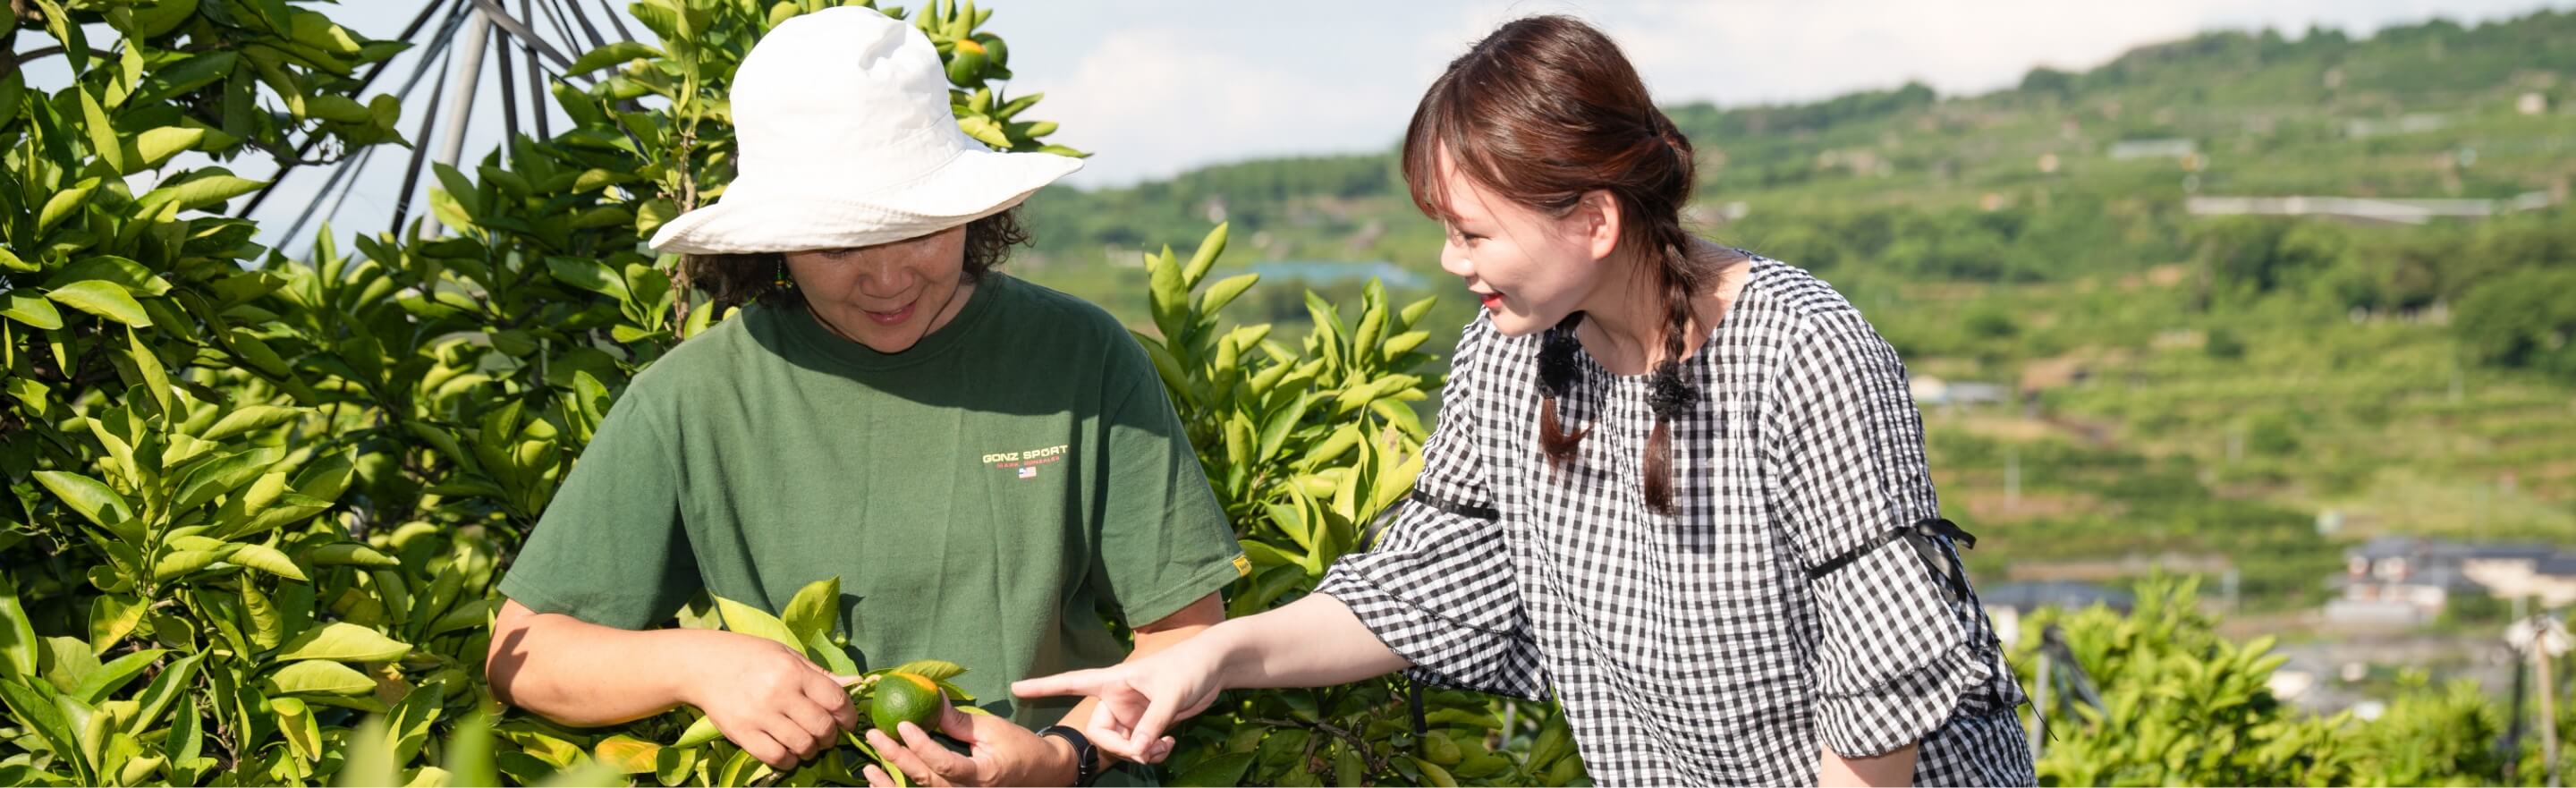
984 496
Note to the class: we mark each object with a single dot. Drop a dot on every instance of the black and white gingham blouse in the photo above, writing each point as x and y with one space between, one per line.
1771 616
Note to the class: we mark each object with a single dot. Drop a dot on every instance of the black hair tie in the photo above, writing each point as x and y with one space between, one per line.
1670 395
1556 365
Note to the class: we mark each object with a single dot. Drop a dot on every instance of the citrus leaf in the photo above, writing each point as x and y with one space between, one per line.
267 559
182 562
17 635
64 203
113 675
111 618
295 724
33 310
222 475
611 55
87 496
147 365
165 689
102 133
627 754
814 610
1209 248
341 641
1224 769
588 275
321 678
932 669
104 299
700 732
469 752
158 145
348 554
1224 292
35 708
748 620
199 192
255 417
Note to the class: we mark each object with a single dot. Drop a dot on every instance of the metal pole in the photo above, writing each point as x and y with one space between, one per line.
613 19
419 146
572 9
2513 728
309 141
460 108
2540 660
499 15
337 173
556 9
537 82
509 92
2039 708
363 156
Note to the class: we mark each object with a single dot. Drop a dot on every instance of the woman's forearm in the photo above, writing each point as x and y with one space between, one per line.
583 674
1312 642
1895 767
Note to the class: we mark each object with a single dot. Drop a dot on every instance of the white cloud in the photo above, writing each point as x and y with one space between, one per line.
1746 52
1149 102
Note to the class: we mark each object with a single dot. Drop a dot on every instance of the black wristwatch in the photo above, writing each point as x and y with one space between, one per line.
1086 760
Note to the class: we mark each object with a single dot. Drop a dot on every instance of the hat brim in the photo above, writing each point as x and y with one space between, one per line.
753 217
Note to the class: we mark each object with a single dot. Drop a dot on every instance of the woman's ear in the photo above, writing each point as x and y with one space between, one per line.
1597 218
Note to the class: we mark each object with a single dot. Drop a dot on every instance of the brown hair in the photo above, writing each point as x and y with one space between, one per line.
735 279
1543 112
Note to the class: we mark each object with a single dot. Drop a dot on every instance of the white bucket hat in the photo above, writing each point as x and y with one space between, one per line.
845 137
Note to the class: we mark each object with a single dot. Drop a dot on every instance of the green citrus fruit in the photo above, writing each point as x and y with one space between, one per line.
902 697
966 63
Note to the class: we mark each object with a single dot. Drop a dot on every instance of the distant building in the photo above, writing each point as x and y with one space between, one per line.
2532 104
2400 580
2546 576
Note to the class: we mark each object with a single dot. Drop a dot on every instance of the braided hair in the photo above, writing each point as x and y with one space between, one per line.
1544 112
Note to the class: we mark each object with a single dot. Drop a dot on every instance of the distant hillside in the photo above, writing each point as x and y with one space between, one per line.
2324 113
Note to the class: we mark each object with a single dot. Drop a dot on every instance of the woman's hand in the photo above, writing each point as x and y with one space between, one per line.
1001 753
1139 699
766 698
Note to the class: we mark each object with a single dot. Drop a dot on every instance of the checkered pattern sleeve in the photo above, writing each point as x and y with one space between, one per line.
1899 648
1439 586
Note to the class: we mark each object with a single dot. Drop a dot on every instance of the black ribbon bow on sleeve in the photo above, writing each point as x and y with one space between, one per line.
1920 536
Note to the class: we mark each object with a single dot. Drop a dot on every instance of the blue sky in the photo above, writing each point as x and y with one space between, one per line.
1154 87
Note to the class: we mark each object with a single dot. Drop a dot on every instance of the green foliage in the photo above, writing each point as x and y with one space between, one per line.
2180 705
2434 736
1307 445
255 501
258 504
2524 319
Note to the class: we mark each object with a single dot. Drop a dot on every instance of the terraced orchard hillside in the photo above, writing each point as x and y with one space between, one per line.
2167 387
